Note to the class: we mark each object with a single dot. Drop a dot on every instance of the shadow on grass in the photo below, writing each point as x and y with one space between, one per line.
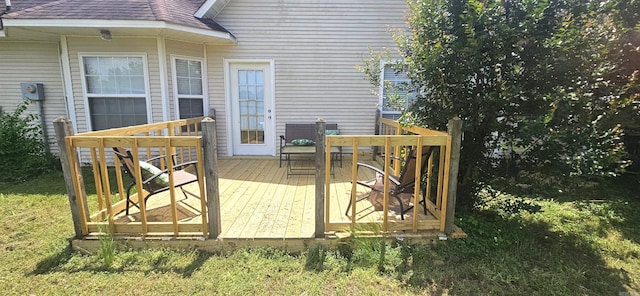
615 201
53 262
52 183
159 261
49 184
504 256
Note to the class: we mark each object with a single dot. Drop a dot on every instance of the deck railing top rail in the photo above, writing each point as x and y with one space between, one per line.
411 128
170 126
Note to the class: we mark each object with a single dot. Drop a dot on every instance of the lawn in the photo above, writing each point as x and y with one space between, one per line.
537 236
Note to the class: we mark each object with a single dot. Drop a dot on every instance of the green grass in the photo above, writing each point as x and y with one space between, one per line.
566 237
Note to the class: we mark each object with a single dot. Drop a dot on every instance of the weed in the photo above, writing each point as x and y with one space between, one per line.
316 257
106 252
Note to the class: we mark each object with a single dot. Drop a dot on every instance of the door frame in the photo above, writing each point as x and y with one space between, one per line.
228 102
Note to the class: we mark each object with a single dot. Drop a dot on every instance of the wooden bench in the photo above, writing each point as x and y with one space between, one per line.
294 131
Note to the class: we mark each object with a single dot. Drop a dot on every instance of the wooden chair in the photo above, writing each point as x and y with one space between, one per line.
404 183
154 180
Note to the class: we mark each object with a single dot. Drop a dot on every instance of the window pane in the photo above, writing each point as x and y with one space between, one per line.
244 123
251 95
137 85
108 85
182 68
124 84
183 86
194 69
242 77
114 75
196 87
121 66
260 107
136 66
190 108
140 108
243 96
260 93
90 65
104 65
117 112
98 107
93 85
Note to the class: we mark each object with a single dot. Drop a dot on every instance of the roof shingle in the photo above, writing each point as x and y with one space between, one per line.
173 11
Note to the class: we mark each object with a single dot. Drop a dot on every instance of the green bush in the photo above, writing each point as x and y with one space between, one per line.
22 150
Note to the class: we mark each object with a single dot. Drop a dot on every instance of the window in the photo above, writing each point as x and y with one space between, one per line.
394 82
115 90
251 101
189 88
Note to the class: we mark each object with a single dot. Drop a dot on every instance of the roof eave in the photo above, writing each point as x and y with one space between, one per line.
204 8
115 24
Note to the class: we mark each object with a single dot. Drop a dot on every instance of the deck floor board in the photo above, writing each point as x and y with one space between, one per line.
258 200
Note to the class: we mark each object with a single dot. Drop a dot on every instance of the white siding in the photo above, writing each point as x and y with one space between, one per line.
32 62
134 46
316 46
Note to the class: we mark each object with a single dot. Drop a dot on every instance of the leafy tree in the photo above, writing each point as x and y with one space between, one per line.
538 83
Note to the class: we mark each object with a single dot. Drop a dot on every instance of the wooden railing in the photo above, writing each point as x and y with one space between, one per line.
395 139
181 140
188 142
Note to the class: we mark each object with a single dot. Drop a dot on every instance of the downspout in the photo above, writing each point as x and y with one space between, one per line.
43 123
7 7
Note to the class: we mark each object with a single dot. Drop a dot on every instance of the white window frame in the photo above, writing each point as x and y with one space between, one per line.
176 96
86 95
382 94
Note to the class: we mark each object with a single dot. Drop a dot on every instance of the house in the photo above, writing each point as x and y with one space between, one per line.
258 63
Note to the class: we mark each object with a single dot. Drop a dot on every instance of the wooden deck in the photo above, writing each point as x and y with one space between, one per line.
259 201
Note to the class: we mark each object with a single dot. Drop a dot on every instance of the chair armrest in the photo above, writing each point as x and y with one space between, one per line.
150 160
393 179
184 164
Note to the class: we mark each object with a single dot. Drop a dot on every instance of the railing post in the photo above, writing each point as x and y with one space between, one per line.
320 175
210 151
454 129
376 131
63 128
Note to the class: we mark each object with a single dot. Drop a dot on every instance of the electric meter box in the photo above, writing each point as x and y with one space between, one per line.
32 91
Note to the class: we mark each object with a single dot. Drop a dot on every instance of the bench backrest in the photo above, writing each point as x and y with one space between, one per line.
294 131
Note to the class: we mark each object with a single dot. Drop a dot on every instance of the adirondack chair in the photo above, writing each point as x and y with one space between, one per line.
403 183
154 180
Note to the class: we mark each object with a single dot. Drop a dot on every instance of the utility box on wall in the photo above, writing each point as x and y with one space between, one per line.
32 91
